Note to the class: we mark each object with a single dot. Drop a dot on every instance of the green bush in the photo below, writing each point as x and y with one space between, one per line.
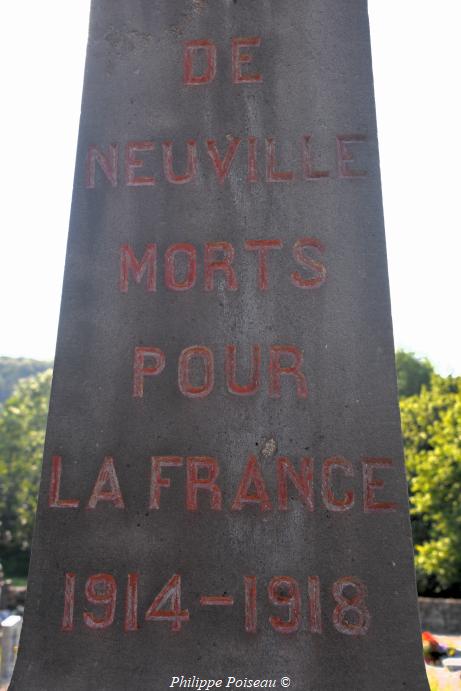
431 424
22 435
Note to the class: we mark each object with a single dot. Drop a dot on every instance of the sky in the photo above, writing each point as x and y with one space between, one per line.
416 61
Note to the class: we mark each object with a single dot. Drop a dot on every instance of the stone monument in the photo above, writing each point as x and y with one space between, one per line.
223 500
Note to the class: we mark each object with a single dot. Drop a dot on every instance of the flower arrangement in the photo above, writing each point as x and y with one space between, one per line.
434 651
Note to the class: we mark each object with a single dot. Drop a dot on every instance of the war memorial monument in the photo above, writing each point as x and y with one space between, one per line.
223 500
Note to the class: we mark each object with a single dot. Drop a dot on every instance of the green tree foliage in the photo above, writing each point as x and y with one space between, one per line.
412 373
13 369
431 424
22 434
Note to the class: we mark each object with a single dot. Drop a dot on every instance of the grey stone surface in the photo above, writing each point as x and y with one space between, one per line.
440 615
314 60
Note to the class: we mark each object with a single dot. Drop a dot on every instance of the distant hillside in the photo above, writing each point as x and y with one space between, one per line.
13 369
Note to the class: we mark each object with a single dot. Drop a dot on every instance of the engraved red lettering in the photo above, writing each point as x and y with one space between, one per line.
157 481
251 614
276 370
303 481
107 477
216 600
140 370
252 159
359 623
272 175
131 603
147 266
69 602
372 484
315 611
263 247
223 264
319 270
54 500
107 162
190 277
239 59
207 482
255 371
191 165
222 166
171 591
132 164
191 50
101 589
184 381
252 476
345 156
308 170
330 500
283 591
